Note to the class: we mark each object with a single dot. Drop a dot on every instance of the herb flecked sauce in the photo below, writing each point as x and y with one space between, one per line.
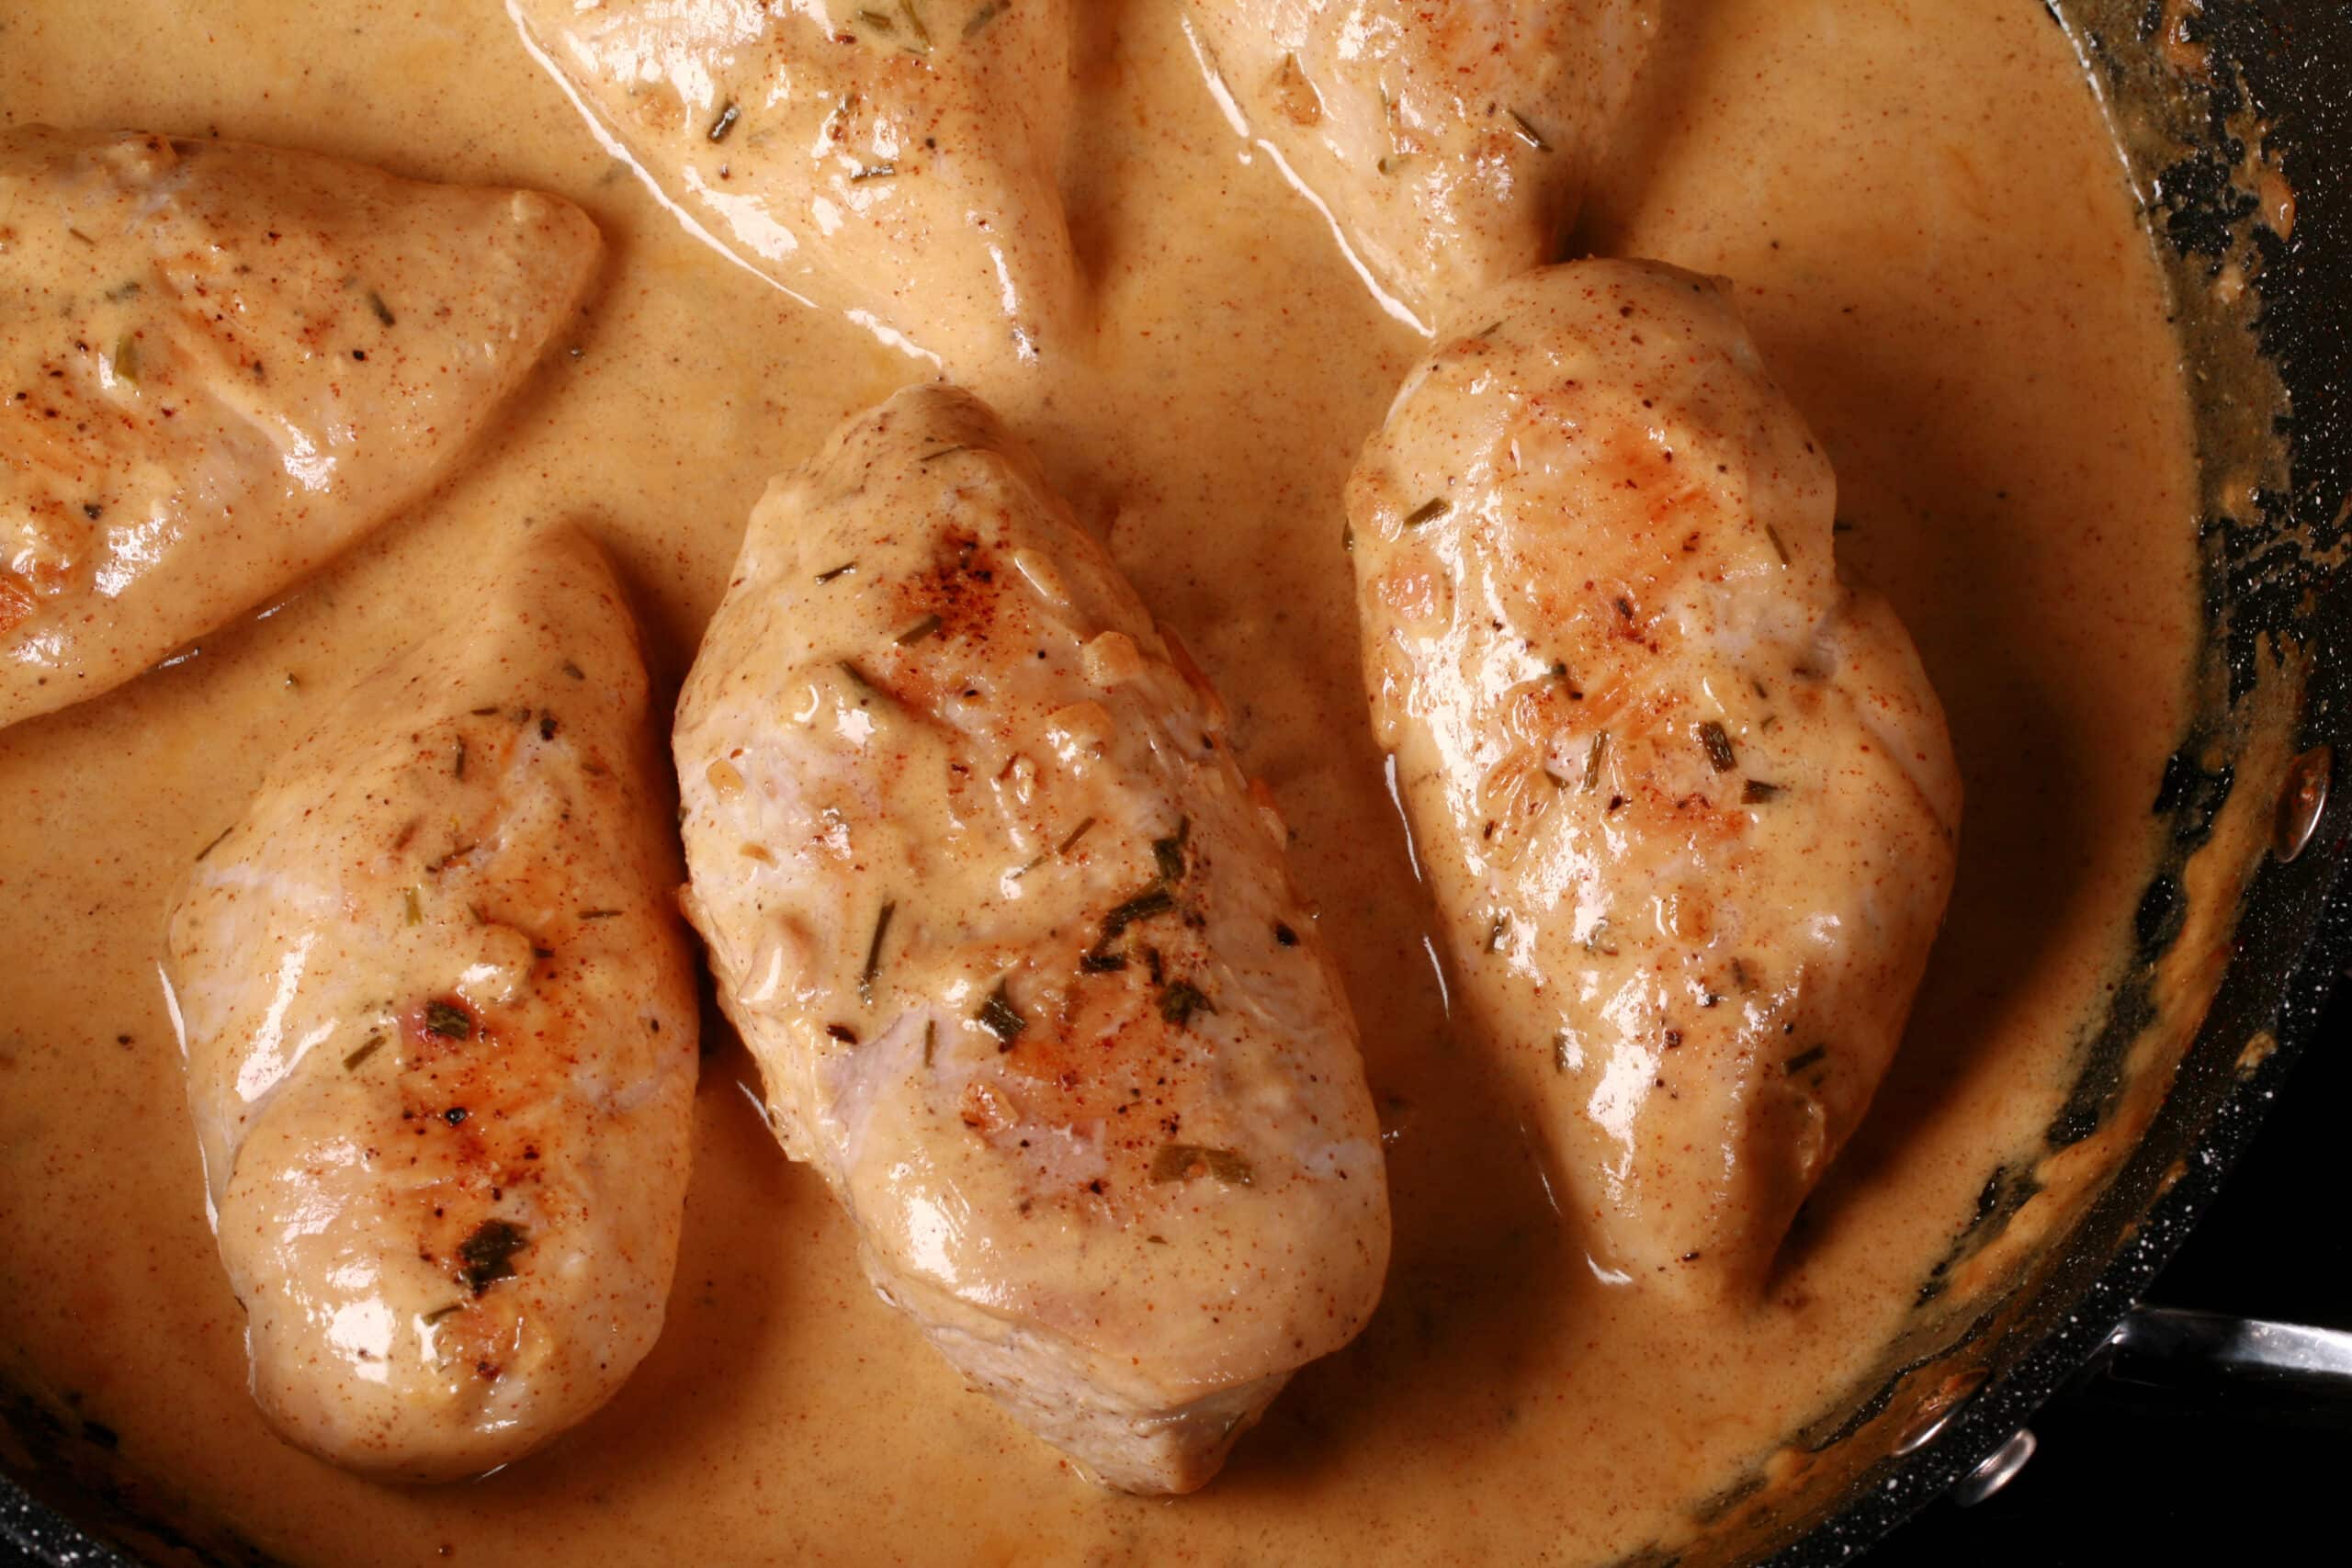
1935 245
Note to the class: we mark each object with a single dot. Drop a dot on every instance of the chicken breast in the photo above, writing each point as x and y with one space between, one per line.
439 1020
1019 952
219 365
1685 798
896 161
1449 143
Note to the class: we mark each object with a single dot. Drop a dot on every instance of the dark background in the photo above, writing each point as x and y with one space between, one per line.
2132 1475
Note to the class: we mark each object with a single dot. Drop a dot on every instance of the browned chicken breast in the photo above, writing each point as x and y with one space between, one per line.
219 365
895 160
439 1020
1685 797
1019 953
1449 143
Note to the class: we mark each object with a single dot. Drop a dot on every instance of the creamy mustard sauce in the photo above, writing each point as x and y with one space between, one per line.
1934 246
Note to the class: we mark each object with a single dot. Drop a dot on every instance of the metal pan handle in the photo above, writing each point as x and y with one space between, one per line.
2248 1363
2171 1360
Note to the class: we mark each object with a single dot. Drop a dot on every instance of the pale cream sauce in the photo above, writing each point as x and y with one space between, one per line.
1936 248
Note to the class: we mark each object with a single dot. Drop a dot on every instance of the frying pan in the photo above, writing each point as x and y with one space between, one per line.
2218 109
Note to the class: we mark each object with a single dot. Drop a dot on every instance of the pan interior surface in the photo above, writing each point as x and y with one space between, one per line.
1993 323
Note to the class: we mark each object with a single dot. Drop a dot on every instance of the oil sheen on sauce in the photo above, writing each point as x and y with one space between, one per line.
1935 245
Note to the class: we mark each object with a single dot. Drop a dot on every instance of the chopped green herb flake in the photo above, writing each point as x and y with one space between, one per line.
1179 1001
842 1032
1142 906
1075 835
458 767
383 311
983 16
1756 792
1168 852
448 1021
1529 134
412 908
437 1313
1000 1018
1187 1162
1428 511
1779 548
1804 1059
914 24
368 1048
1594 756
727 114
932 456
847 566
1720 755
489 1254
874 952
929 1041
920 630
217 839
1498 931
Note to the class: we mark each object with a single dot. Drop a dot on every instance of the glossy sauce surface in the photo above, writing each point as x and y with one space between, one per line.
1936 249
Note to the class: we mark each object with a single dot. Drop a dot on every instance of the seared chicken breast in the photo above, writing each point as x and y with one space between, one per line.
1451 143
896 161
439 1020
219 365
1019 953
1684 796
